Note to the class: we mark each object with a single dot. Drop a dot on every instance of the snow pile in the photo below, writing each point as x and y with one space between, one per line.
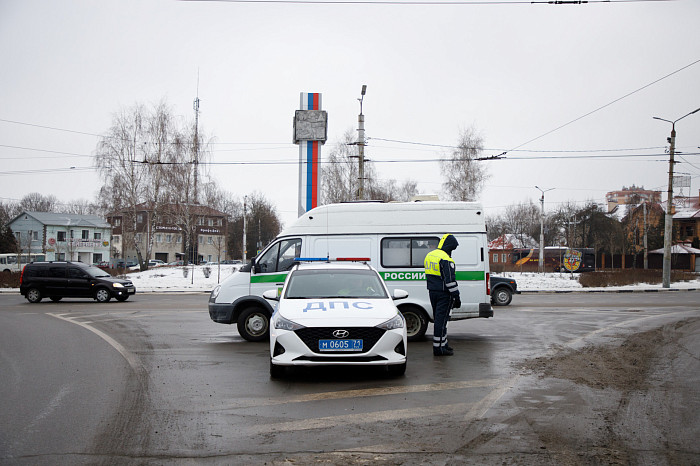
183 278
530 281
174 279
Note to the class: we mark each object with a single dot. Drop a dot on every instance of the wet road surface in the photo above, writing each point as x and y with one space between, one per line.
160 383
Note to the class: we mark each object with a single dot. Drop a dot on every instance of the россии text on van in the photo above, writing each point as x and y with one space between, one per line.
395 237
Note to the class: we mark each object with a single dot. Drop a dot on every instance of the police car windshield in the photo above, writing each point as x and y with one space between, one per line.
305 284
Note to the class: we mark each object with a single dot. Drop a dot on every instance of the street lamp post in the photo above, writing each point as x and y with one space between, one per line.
540 263
668 225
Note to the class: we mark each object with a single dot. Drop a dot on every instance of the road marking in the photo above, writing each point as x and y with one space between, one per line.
360 418
130 357
381 391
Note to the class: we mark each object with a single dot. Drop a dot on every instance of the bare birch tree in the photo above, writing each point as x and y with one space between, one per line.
464 175
340 175
119 160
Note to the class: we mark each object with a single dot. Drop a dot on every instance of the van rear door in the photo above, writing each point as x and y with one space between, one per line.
470 261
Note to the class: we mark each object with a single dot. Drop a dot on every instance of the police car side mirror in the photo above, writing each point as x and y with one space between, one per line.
399 294
272 295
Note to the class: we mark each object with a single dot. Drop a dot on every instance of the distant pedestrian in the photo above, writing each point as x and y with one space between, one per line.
443 290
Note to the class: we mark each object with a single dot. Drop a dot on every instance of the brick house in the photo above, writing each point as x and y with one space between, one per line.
169 234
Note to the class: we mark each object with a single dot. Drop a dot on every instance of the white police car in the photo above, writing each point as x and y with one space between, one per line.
332 313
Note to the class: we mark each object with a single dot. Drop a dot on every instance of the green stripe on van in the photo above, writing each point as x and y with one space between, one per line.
278 277
471 276
411 275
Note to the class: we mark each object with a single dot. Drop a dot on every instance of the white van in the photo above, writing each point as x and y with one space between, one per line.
394 236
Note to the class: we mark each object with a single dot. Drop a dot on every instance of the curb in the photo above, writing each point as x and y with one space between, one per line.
642 290
582 290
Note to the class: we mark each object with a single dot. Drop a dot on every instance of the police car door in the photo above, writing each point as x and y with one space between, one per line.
273 265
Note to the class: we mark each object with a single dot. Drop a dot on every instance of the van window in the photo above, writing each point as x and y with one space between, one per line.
280 256
407 251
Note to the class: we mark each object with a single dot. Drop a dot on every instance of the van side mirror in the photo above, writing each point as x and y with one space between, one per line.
272 295
399 294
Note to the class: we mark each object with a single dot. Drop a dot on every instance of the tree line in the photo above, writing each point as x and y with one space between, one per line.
587 226
150 159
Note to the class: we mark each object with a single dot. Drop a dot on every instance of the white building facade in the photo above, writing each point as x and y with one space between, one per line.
72 237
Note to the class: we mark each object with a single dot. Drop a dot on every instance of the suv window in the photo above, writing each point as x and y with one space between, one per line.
57 272
76 273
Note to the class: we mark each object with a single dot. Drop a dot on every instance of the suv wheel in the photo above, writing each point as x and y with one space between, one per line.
102 295
33 295
502 296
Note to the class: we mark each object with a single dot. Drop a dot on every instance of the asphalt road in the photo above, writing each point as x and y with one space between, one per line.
553 379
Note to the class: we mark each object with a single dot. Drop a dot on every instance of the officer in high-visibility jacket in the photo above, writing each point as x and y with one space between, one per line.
443 290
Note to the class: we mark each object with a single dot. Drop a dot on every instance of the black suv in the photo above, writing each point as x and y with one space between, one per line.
502 290
56 280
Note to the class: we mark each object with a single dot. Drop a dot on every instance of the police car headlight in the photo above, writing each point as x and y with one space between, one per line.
117 285
391 324
285 324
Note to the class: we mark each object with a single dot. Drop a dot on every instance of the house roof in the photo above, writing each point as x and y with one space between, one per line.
511 241
195 209
66 220
687 214
677 249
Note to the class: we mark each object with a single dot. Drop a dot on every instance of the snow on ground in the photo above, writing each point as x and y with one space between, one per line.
531 281
173 279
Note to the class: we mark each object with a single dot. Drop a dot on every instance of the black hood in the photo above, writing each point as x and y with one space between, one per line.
448 244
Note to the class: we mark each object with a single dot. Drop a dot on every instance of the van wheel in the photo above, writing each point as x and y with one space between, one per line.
102 295
416 322
254 324
33 295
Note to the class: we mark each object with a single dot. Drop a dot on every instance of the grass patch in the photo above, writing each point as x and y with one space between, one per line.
630 277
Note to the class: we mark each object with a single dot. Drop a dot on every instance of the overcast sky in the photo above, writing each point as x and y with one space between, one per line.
513 72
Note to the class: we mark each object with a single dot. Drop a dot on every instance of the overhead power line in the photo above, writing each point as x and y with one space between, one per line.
608 104
431 3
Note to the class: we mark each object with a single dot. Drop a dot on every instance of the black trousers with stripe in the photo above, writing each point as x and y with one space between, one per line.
441 301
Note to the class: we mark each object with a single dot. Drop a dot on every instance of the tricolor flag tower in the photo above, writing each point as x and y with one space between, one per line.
310 129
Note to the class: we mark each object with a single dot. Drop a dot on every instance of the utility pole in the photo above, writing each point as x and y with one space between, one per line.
668 225
361 144
245 202
540 264
646 248
196 143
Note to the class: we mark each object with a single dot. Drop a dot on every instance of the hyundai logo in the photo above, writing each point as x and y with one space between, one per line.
341 333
